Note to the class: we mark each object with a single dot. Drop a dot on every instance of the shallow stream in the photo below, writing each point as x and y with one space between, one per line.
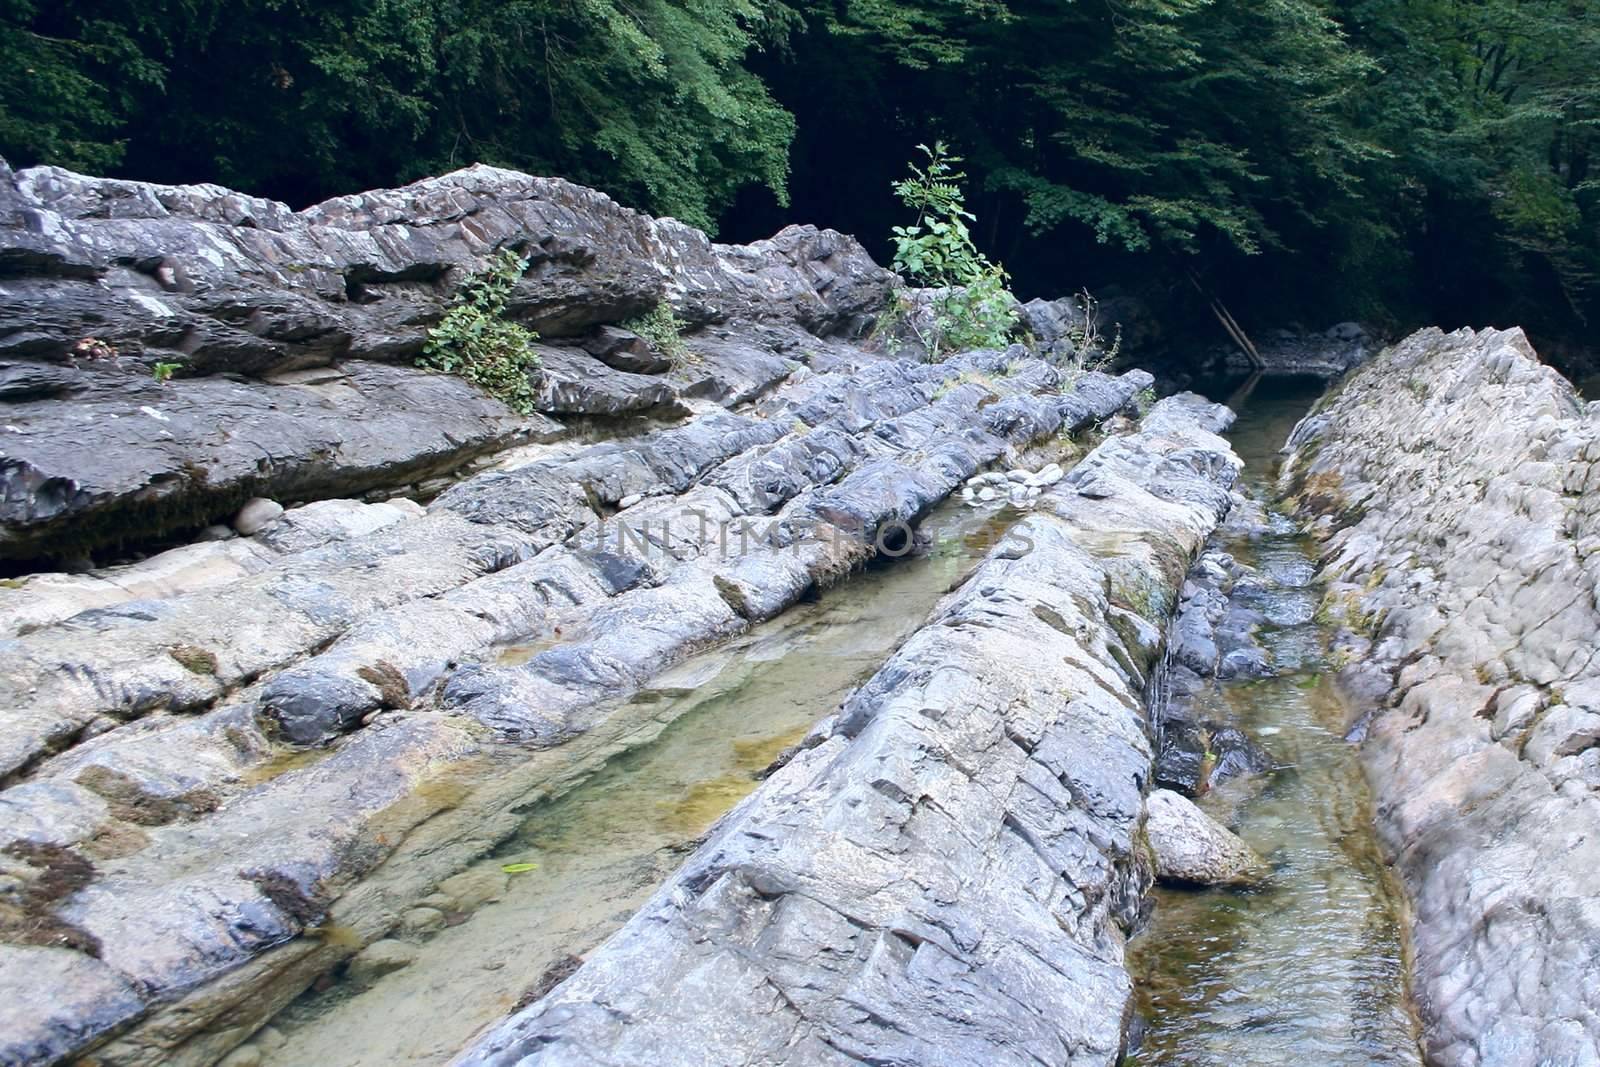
1311 969
601 849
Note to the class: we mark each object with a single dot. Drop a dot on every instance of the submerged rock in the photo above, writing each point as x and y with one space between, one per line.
380 958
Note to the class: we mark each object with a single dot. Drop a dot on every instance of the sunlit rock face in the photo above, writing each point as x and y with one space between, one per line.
948 869
255 707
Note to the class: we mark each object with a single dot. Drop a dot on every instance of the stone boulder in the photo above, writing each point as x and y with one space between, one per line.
1191 848
625 350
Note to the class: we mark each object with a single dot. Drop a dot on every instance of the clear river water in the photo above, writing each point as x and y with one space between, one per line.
1309 970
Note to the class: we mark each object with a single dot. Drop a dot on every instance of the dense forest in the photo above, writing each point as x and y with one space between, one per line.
1399 161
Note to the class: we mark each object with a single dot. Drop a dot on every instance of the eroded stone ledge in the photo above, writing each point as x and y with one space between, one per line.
1456 483
947 871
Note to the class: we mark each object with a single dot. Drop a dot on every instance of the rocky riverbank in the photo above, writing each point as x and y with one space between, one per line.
231 766
299 634
1455 483
948 868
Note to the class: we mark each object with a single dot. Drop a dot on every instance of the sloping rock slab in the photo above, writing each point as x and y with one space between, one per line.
119 455
215 849
946 873
571 381
42 599
54 1000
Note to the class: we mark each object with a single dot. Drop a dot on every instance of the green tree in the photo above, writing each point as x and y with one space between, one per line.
647 99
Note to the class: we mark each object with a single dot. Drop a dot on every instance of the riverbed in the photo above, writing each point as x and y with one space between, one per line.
585 861
1311 968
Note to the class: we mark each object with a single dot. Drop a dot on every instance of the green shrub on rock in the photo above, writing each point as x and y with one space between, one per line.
664 330
475 340
972 306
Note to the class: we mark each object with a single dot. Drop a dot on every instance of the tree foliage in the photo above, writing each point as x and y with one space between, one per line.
645 98
1416 158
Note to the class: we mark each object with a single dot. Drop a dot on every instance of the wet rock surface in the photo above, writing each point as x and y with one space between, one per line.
1211 640
958 845
1309 965
1455 483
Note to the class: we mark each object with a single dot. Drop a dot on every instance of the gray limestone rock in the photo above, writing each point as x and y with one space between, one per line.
280 320
1456 483
625 350
123 459
54 1001
258 755
957 848
1191 848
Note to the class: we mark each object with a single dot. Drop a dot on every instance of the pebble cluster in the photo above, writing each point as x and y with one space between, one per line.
1018 487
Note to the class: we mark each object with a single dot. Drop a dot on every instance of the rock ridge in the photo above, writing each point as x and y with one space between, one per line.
1455 482
289 336
946 872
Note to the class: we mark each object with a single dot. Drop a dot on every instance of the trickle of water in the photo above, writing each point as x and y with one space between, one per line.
1310 969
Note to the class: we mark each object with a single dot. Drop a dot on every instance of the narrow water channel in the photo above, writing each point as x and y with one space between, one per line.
1309 970
599 851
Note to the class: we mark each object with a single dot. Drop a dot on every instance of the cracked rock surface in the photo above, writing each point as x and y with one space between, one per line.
227 768
1456 483
947 871
293 335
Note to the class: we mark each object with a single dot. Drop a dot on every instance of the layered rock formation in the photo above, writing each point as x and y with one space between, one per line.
947 871
291 335
1456 482
228 767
